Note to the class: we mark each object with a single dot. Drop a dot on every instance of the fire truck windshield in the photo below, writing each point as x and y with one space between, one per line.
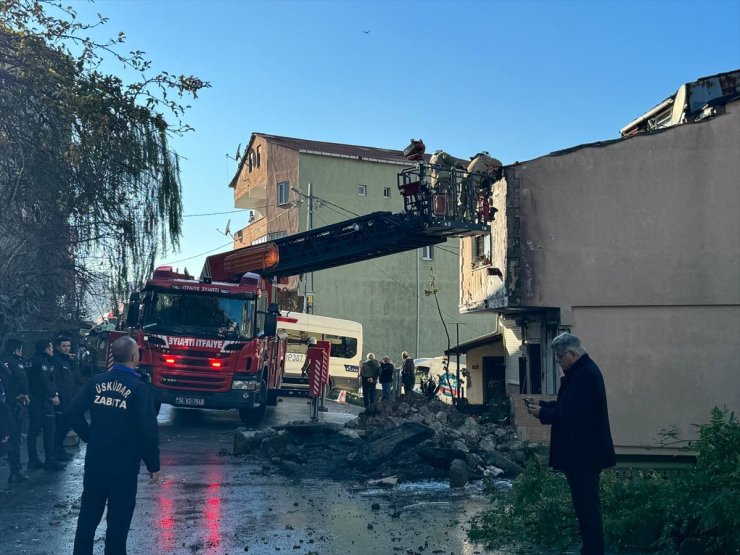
199 315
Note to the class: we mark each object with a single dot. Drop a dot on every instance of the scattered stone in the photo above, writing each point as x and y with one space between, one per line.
510 468
245 441
487 444
388 482
311 428
459 445
439 456
375 506
289 467
391 443
458 474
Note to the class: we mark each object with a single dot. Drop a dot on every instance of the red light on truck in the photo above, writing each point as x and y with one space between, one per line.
215 364
169 360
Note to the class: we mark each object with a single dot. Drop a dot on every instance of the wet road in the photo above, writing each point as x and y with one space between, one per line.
210 502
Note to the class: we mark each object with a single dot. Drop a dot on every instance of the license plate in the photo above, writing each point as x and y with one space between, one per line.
190 401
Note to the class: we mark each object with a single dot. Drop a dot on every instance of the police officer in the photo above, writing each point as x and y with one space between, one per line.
44 397
122 432
15 382
65 387
4 419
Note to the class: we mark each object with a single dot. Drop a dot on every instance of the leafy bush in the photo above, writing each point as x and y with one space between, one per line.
537 512
699 508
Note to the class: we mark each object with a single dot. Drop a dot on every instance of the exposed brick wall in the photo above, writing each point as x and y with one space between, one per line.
528 427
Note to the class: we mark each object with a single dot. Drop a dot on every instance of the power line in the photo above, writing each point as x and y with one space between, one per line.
213 213
226 244
256 208
201 254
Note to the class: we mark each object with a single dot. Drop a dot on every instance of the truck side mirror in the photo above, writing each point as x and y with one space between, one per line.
271 319
132 314
273 311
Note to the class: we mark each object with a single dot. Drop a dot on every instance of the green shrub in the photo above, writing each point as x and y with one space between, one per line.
645 512
536 512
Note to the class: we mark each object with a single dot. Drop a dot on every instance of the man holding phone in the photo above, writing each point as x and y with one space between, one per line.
580 439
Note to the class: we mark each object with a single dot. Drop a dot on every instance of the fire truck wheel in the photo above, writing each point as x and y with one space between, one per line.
252 416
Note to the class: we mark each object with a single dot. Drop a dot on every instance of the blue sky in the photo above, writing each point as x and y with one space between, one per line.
518 79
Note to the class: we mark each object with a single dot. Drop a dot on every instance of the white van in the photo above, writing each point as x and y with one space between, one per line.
444 374
345 337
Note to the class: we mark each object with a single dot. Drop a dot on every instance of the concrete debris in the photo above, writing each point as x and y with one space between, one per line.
458 473
398 441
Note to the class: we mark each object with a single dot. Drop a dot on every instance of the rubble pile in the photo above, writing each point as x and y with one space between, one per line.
412 439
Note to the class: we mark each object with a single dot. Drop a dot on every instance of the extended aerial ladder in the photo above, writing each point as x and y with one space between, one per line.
441 200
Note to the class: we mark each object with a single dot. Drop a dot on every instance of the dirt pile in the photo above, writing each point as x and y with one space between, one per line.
413 439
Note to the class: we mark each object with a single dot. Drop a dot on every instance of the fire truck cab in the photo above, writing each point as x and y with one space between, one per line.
209 344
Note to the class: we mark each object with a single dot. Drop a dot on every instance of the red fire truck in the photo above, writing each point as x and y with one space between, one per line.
209 344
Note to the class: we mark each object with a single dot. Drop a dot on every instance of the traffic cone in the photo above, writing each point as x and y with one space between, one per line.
342 398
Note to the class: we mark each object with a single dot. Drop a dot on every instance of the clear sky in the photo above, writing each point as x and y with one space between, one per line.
517 79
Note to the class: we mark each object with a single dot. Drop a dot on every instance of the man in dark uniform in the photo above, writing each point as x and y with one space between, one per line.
122 432
580 440
65 387
4 419
44 397
15 381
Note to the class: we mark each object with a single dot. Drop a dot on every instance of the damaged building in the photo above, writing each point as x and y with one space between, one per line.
633 245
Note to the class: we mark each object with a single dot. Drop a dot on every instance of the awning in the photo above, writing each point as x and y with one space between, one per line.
488 339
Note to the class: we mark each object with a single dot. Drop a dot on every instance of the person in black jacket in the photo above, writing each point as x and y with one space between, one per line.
580 439
5 426
122 432
44 397
15 381
407 373
386 377
65 386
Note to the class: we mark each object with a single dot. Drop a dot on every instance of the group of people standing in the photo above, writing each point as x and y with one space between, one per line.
33 398
39 398
373 372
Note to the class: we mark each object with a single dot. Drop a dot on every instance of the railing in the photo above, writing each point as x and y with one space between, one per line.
443 194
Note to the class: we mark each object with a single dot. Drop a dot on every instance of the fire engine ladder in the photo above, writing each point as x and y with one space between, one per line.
434 209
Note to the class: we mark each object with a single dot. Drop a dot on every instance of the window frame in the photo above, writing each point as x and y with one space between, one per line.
283 185
361 190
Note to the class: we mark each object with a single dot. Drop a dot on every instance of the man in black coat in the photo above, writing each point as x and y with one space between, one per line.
122 432
64 380
44 399
580 439
15 381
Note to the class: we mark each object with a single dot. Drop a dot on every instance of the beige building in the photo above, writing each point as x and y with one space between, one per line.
634 246
292 185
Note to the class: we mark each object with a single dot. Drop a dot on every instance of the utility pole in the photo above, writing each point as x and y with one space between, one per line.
310 226
457 353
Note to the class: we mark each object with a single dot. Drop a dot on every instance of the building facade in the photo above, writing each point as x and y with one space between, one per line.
634 246
292 185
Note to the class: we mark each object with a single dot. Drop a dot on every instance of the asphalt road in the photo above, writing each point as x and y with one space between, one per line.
211 502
